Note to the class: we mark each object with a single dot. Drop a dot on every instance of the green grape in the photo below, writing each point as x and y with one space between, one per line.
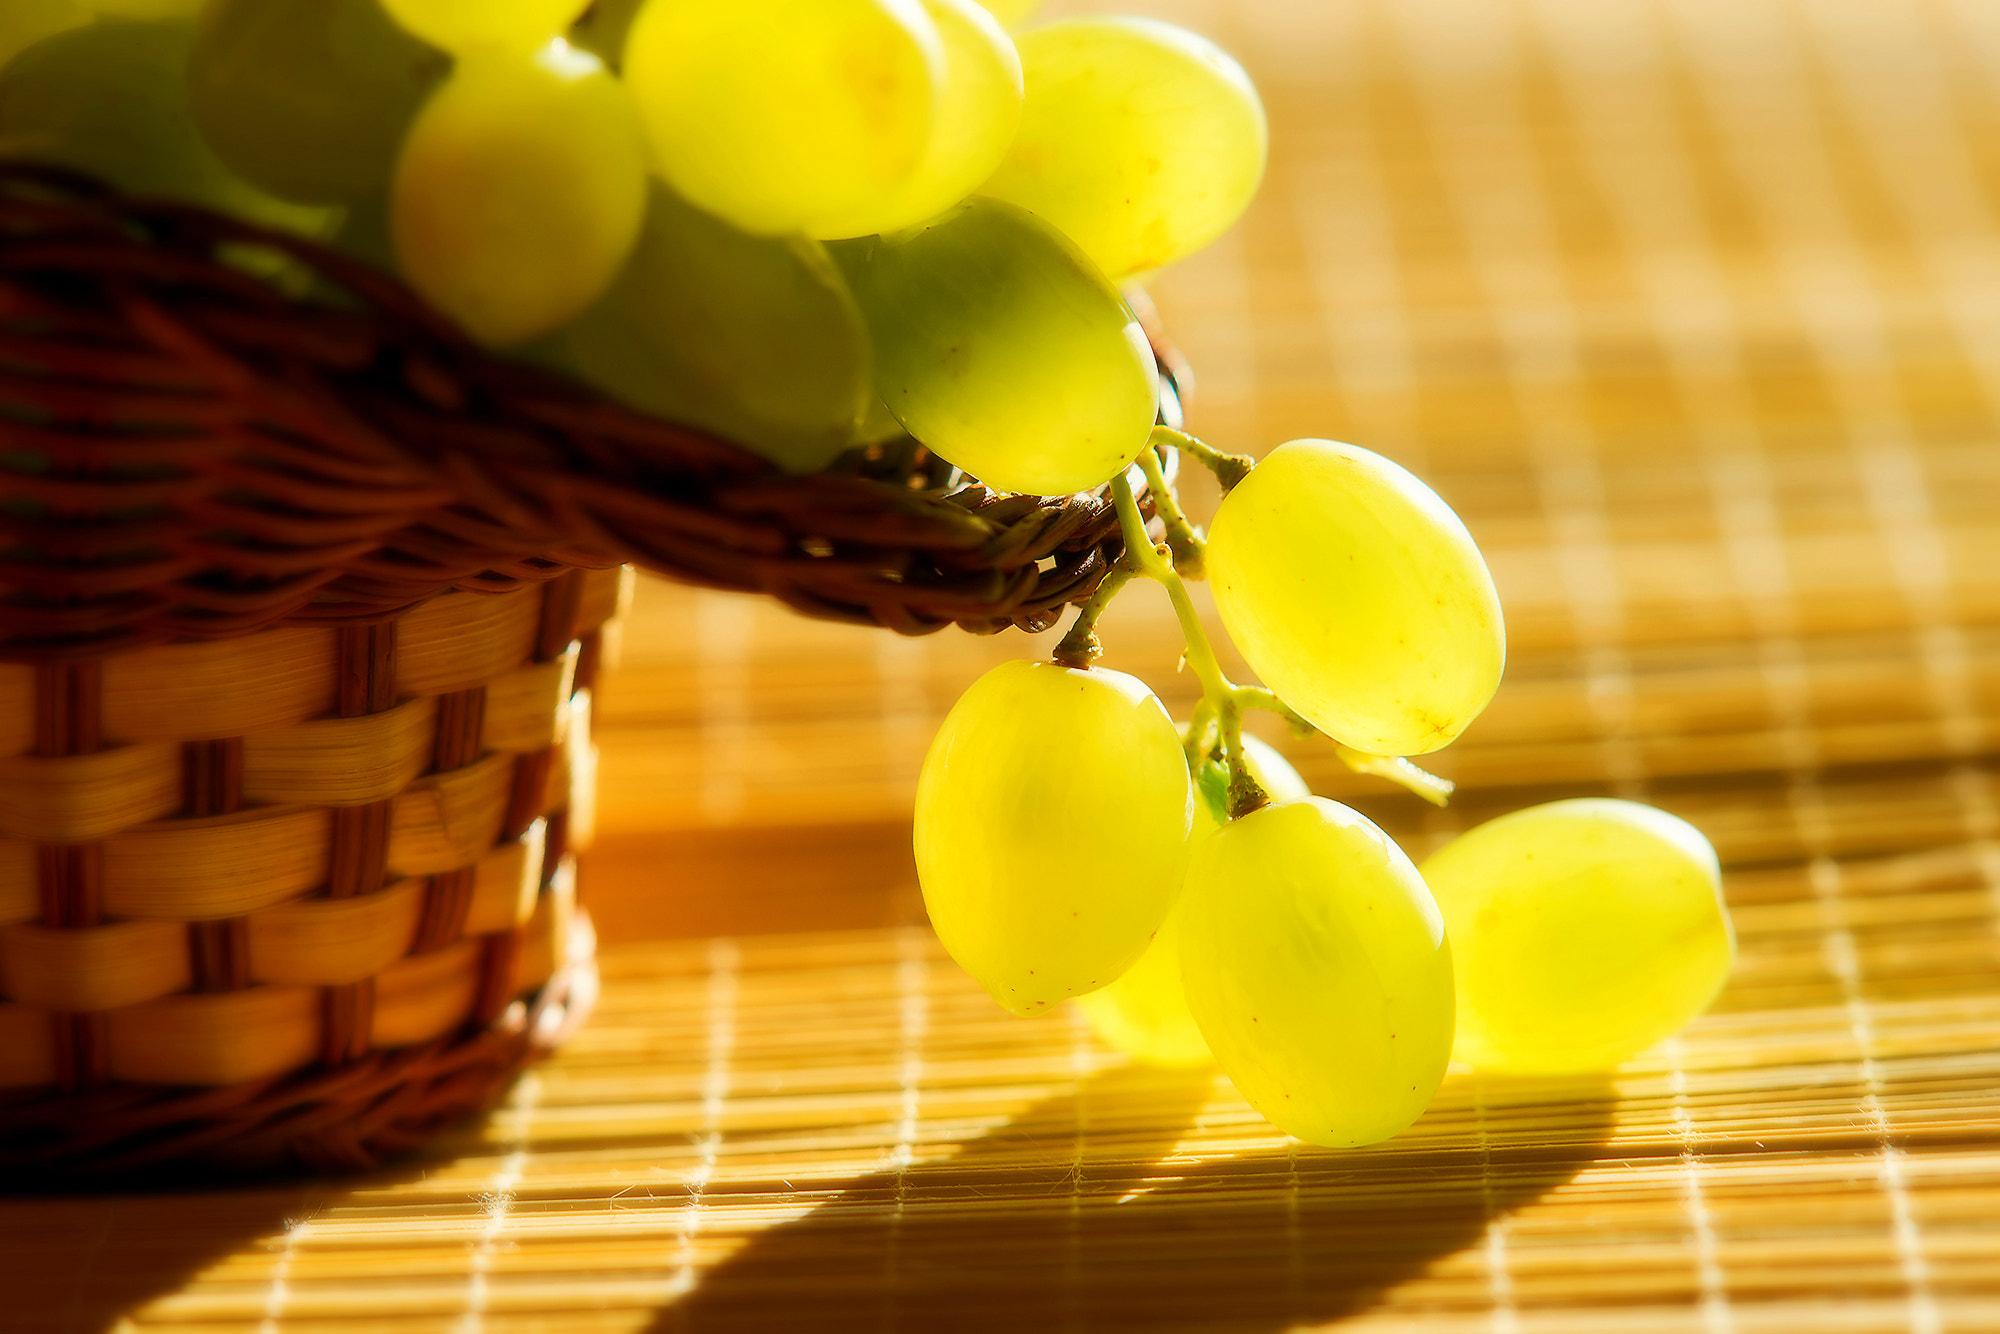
1582 933
308 98
1316 964
464 25
1145 1013
979 103
1358 596
752 338
1051 829
110 99
25 22
1003 350
771 113
520 190
1142 141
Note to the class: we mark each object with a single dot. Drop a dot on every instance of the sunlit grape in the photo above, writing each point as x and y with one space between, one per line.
772 113
1003 350
1316 965
1143 142
753 338
110 99
1144 1013
979 102
520 190
1582 932
460 25
1358 596
308 98
1051 829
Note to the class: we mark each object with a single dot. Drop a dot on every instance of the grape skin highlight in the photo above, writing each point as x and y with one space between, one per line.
1051 829
520 191
1141 141
979 104
772 113
309 99
1316 963
1358 596
1582 933
1145 1013
1003 350
754 338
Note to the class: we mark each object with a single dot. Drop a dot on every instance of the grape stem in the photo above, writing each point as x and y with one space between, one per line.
1220 695
1184 540
1229 469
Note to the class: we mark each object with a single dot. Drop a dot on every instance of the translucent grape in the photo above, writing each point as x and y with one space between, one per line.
772 113
1144 1013
25 22
1051 829
1358 596
308 98
1003 350
979 103
461 25
1316 964
110 99
753 338
1143 142
520 190
1582 933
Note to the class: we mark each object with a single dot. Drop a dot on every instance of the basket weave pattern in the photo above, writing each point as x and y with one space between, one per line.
224 864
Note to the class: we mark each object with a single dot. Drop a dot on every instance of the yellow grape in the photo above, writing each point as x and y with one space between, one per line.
753 338
772 113
462 25
1315 962
1582 933
520 190
1144 1013
979 103
1358 596
1003 350
1051 829
1141 141
111 99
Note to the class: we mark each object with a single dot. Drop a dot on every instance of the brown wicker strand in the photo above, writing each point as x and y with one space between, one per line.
188 452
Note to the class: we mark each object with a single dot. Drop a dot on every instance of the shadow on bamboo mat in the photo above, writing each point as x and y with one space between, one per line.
1069 1217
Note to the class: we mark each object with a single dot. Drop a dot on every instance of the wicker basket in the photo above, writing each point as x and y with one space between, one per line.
301 597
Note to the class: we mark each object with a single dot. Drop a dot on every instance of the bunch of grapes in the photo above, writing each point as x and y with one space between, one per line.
803 225
1203 904
816 225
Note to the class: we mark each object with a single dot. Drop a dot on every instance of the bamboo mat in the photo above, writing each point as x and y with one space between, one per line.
1692 308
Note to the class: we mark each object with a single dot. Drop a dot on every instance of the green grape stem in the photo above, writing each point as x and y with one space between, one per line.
1229 469
1183 538
1219 693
